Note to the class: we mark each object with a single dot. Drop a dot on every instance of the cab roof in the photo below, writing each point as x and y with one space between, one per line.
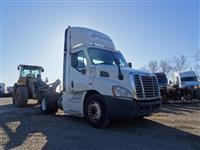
80 35
30 66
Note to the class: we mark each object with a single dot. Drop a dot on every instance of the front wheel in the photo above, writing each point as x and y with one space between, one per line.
48 104
20 97
95 111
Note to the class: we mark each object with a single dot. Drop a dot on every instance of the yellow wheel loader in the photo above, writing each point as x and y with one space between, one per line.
30 85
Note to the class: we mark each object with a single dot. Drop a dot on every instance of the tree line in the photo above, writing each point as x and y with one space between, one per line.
175 64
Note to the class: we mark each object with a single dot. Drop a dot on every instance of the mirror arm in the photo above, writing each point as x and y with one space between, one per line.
120 76
79 70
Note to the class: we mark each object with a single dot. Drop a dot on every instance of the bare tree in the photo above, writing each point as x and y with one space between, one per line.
165 66
153 66
180 63
196 67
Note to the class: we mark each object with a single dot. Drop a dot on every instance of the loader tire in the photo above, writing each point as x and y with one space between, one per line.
20 97
49 104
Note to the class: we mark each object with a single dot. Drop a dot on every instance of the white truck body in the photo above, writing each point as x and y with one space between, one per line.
143 96
10 90
2 88
186 79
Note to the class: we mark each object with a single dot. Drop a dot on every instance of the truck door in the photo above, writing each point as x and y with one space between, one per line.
79 72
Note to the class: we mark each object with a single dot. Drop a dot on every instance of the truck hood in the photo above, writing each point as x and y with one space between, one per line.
135 71
126 71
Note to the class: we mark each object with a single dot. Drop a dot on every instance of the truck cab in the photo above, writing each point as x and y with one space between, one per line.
186 79
99 84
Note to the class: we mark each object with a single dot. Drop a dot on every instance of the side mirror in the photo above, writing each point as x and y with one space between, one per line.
42 70
18 68
130 65
170 82
117 61
46 80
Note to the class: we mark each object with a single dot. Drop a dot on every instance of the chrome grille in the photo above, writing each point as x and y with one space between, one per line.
146 86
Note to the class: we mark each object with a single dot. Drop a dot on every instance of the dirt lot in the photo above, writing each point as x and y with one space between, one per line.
177 126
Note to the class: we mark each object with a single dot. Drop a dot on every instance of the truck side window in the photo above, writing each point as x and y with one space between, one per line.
78 60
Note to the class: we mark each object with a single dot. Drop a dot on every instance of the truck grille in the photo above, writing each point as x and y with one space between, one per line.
146 86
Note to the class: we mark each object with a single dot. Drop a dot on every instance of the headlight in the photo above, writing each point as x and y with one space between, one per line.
121 92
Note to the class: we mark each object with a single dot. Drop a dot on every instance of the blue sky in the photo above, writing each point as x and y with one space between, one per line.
33 32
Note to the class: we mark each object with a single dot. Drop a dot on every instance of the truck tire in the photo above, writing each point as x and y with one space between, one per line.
20 97
164 98
188 96
49 104
95 111
197 94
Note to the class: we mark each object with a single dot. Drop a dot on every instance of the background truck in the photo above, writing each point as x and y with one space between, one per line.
2 89
99 84
189 84
185 86
163 84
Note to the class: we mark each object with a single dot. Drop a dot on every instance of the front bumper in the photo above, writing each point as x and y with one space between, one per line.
119 107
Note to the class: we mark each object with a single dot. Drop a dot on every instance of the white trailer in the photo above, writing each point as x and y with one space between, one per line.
99 84
2 89
10 90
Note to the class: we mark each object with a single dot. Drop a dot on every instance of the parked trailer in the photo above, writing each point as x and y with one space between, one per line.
2 89
99 84
10 91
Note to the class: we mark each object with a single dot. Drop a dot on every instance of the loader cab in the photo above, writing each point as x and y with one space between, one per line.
29 71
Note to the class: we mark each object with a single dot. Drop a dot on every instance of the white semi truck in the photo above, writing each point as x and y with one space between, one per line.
99 84
188 83
186 79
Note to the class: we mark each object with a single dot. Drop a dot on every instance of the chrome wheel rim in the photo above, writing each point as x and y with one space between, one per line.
94 111
44 104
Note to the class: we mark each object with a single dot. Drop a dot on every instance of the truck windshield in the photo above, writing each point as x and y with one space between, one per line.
101 56
189 79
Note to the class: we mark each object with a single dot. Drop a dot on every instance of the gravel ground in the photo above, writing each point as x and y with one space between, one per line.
177 126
